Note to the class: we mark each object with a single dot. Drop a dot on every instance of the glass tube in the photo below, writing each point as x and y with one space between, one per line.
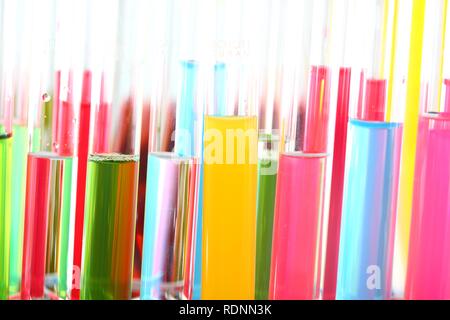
230 163
85 84
168 227
190 103
20 143
7 45
270 68
373 155
428 261
299 203
52 157
113 160
339 156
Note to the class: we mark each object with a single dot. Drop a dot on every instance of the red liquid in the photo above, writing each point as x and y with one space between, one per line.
64 117
317 112
374 106
337 184
191 231
145 132
295 267
83 147
102 124
35 232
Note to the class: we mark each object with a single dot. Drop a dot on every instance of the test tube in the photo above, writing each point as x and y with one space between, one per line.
270 68
299 203
339 155
85 84
167 228
52 156
230 162
20 143
189 114
7 36
113 160
162 277
427 275
373 152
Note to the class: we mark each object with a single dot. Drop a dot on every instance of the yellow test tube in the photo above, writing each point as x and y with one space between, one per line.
230 159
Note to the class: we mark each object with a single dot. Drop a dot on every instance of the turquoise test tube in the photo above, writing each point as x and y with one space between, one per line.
370 198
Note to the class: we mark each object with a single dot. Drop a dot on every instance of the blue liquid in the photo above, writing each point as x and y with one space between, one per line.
368 215
188 116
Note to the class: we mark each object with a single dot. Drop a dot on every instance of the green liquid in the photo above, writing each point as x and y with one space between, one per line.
264 226
109 229
60 201
19 171
47 126
5 213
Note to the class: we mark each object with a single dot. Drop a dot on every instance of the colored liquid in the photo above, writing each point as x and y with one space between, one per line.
47 125
267 181
192 225
368 216
5 213
296 248
19 171
428 275
188 119
48 213
109 232
337 184
166 231
83 145
318 110
229 208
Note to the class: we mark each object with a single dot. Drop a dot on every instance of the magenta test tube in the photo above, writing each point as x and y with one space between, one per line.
300 193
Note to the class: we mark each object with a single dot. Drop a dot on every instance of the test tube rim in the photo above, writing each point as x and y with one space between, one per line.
306 155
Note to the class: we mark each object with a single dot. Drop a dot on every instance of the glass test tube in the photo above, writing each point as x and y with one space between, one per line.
85 85
428 261
230 163
270 68
299 203
154 30
7 54
113 160
52 156
161 280
339 156
373 154
190 107
168 227
20 142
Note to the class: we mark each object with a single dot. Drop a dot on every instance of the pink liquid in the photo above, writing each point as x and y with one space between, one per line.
83 146
317 112
35 233
447 95
428 275
295 267
337 184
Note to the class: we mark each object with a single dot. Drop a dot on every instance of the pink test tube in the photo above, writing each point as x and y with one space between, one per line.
300 192
428 275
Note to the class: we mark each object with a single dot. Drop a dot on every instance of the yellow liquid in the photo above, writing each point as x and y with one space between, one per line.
229 208
407 165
